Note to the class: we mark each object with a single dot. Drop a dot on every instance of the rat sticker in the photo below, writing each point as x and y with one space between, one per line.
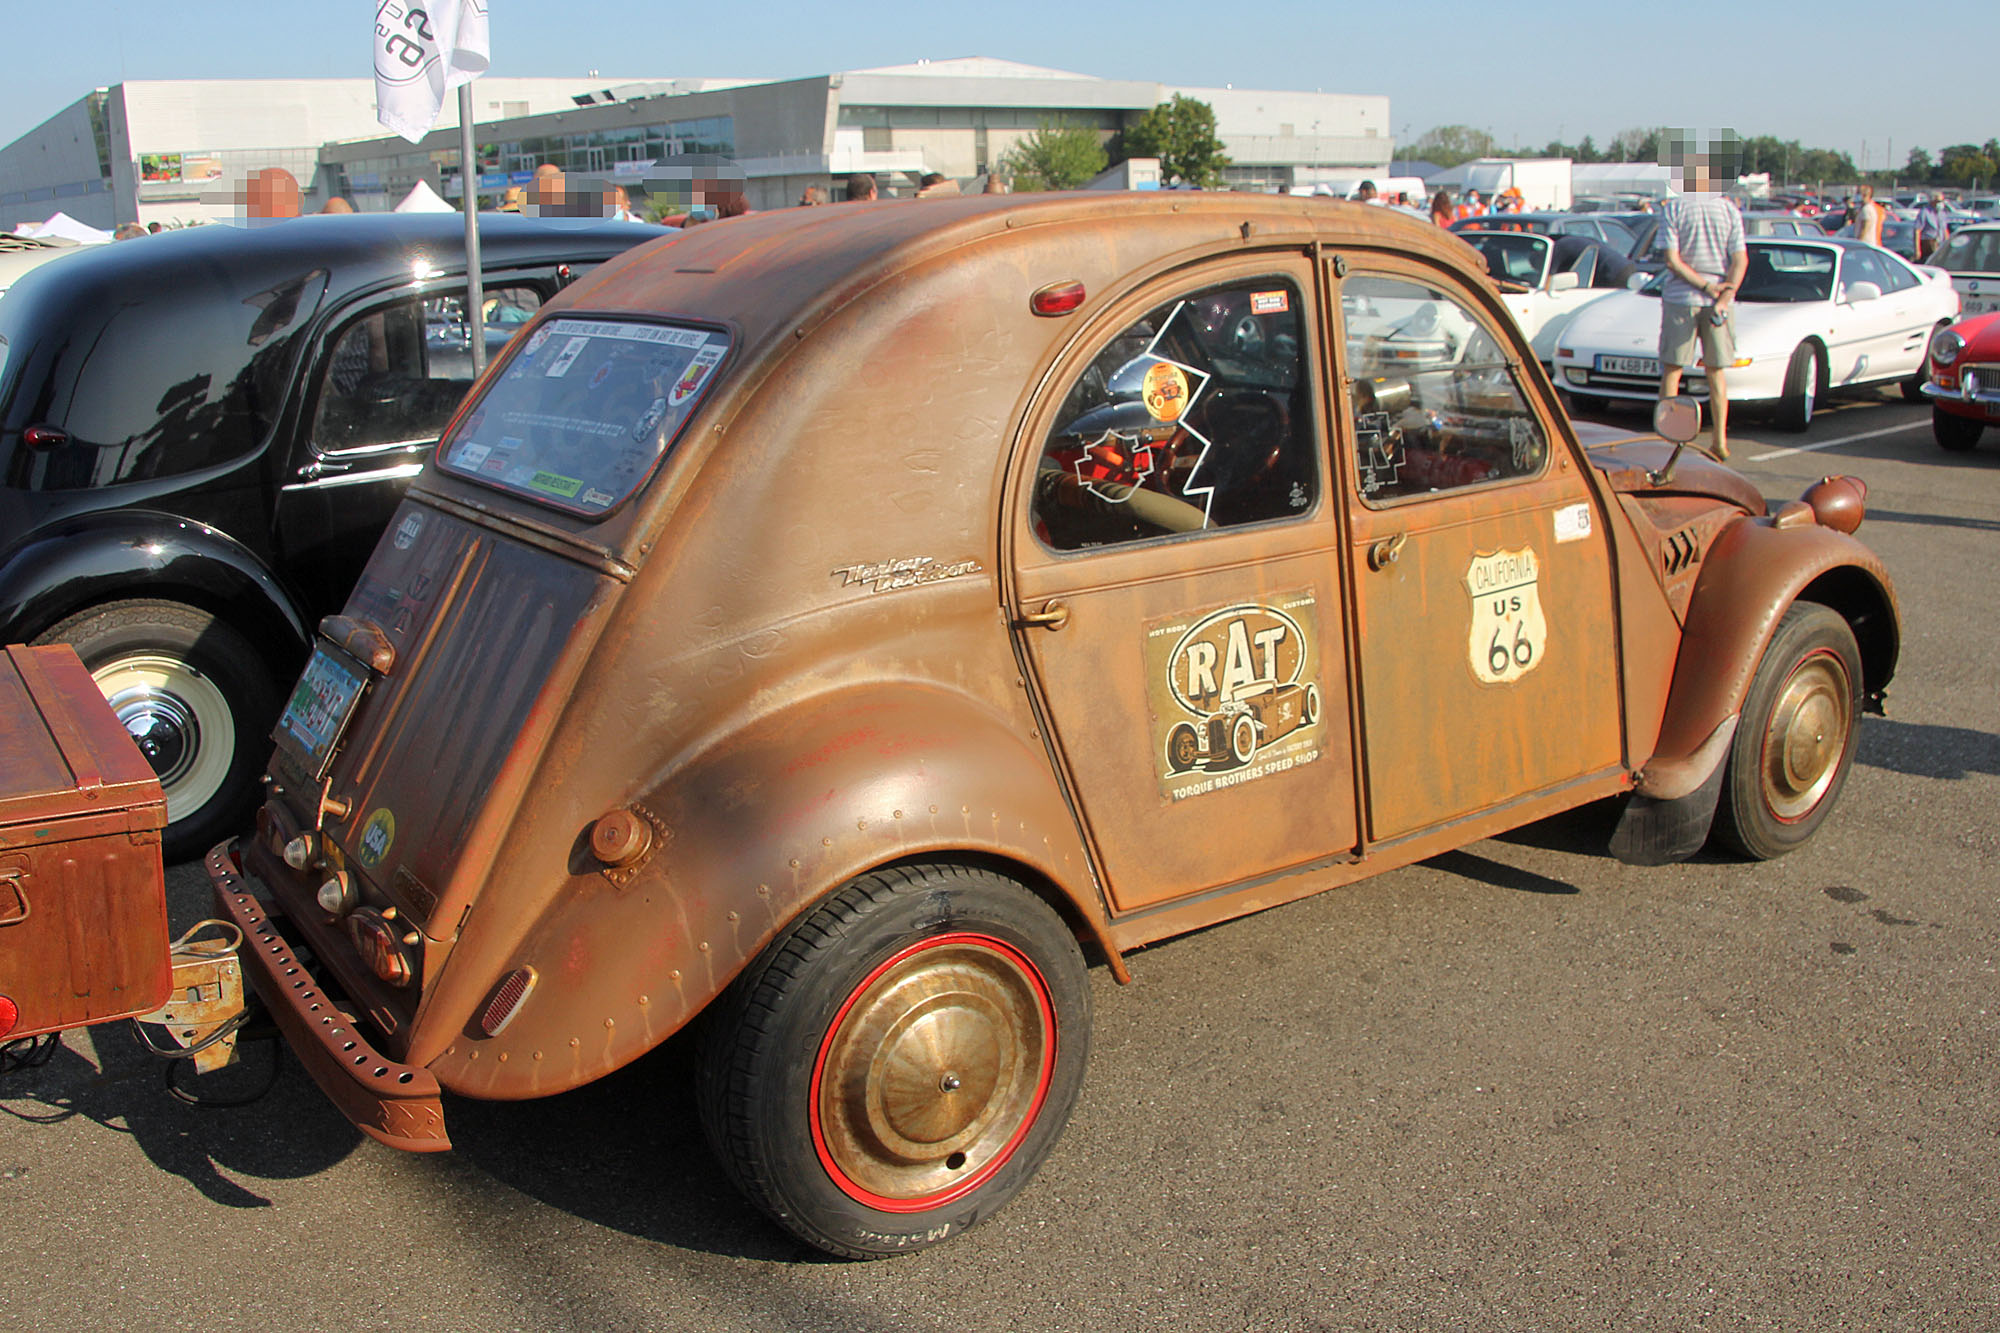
1509 634
1233 694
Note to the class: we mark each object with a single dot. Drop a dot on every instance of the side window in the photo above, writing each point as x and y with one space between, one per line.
1436 407
1196 416
1861 266
1896 275
396 374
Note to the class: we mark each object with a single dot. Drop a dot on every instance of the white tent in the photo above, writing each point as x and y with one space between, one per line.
423 199
63 227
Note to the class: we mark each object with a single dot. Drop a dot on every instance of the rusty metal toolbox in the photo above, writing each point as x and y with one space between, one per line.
83 907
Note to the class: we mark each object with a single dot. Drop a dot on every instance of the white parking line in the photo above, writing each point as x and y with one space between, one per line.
1828 444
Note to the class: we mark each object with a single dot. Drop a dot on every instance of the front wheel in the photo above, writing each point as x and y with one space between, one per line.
896 1065
196 698
1795 740
1954 432
1802 390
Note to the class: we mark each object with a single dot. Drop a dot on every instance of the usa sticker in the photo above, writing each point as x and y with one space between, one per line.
1270 303
407 530
1508 631
376 837
1572 523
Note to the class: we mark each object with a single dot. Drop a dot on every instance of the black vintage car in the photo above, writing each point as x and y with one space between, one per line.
204 432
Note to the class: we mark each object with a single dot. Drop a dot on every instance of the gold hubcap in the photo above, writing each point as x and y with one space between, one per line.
1807 736
934 1071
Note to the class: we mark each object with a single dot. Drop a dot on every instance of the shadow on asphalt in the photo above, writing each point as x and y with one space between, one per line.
627 1153
1924 750
290 1133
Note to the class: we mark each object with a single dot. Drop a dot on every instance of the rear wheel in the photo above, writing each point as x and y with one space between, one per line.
1803 387
1796 737
195 697
1954 432
897 1064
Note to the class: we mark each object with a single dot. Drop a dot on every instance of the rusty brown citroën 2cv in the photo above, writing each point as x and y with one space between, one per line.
841 624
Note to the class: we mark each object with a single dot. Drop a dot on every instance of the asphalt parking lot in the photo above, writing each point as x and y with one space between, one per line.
1519 1086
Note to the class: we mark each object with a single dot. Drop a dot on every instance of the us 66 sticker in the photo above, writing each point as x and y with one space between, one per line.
1508 631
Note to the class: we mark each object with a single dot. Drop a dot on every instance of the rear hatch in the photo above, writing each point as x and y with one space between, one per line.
429 701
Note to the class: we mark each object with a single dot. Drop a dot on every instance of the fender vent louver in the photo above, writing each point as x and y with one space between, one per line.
1679 552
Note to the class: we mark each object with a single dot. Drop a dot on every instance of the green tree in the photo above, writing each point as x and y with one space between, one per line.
1055 157
1181 133
1919 168
1965 164
1449 145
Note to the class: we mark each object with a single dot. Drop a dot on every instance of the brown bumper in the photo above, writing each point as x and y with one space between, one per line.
394 1103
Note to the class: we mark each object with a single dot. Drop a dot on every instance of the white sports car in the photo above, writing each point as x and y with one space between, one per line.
1814 316
1545 280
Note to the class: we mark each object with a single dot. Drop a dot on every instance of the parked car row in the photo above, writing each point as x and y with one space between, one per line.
202 435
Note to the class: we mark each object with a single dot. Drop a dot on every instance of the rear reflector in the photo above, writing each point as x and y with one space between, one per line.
1058 298
507 1001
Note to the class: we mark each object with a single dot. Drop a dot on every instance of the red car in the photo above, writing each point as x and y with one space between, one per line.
1964 384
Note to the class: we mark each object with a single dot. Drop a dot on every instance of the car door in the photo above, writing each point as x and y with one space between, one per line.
1482 573
1884 328
385 377
1913 311
1175 589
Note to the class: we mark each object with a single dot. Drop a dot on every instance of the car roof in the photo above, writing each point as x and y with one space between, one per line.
774 274
357 248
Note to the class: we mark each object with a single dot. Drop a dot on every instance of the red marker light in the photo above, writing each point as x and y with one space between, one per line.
10 1014
1058 298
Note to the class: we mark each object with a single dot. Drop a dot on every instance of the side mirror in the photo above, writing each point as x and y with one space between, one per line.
1678 420
1638 280
1564 282
1862 291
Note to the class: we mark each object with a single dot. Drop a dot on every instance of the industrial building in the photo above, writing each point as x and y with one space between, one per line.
178 151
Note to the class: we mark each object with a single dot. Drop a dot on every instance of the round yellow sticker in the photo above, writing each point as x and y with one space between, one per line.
1166 391
376 835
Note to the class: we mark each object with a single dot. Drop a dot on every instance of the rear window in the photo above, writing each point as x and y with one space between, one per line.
585 410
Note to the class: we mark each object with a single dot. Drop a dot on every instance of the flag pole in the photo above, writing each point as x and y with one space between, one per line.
475 287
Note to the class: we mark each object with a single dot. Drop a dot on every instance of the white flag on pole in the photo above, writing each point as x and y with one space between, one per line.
423 50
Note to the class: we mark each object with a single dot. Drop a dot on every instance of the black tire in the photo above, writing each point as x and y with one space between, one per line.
1955 432
1803 390
1913 387
1795 741
899 1061
196 697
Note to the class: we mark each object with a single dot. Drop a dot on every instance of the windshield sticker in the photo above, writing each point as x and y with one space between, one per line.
1270 303
649 419
556 484
1233 694
697 371
469 454
1509 633
541 336
891 575
567 357
597 499
1572 523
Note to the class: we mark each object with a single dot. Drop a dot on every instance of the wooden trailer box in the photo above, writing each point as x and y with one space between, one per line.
83 908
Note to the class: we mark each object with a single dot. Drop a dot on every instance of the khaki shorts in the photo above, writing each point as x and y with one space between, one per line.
1682 326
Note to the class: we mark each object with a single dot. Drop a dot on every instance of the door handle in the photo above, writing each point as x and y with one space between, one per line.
1384 553
14 907
1053 615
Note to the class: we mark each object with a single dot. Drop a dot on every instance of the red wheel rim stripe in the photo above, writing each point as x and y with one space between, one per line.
1001 1158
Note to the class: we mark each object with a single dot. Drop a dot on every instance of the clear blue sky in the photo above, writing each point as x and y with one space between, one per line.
1835 74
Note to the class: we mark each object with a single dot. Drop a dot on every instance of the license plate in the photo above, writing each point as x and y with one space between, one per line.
320 707
1976 305
1628 365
